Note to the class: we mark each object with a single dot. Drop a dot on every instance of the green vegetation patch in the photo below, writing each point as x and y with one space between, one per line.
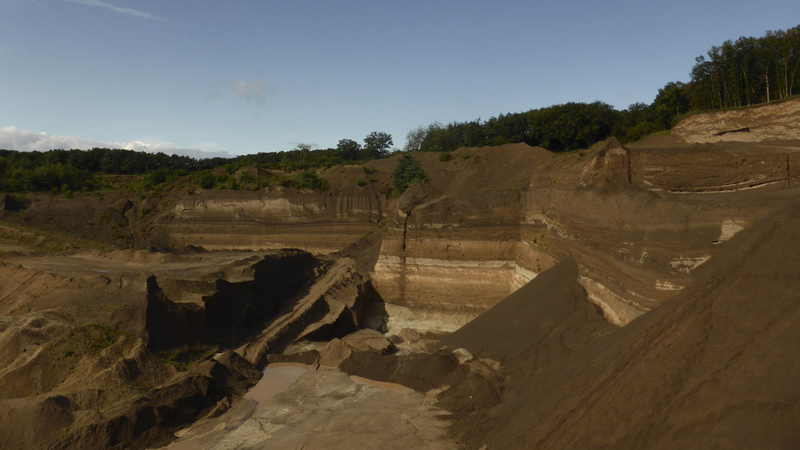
91 339
408 171
182 358
308 179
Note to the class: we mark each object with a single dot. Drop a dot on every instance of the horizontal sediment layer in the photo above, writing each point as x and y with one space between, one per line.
315 238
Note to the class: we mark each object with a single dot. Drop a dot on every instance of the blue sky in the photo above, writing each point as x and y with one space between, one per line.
208 77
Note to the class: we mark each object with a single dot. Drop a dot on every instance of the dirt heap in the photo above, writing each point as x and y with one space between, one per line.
536 326
714 367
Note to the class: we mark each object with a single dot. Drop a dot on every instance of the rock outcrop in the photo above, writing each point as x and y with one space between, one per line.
775 121
127 358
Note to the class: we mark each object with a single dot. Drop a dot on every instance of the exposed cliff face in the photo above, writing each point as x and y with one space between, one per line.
776 121
637 219
633 218
454 247
320 222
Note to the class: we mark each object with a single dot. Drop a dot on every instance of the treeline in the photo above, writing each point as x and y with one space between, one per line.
560 127
75 170
557 128
746 72
376 145
67 171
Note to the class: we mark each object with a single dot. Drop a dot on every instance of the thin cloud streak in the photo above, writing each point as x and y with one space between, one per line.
119 9
248 90
40 5
12 138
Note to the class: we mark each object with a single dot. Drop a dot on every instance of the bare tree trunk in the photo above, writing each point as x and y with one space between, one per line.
746 85
727 93
766 78
785 77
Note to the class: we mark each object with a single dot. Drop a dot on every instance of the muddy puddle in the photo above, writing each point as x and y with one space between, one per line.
277 378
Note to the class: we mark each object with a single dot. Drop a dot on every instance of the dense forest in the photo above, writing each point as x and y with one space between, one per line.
735 74
748 71
741 73
68 171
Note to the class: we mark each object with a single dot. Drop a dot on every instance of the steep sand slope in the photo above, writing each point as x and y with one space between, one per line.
716 367
534 327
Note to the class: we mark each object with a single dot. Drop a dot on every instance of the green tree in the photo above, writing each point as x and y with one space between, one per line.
304 150
670 102
348 149
205 181
407 171
414 139
308 179
376 144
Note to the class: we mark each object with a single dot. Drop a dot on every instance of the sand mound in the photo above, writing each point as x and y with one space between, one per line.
537 325
713 368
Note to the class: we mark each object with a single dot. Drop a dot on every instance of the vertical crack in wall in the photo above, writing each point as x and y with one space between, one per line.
128 222
405 230
630 172
788 171
378 199
403 268
738 174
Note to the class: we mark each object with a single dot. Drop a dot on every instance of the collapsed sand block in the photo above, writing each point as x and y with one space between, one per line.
333 307
338 350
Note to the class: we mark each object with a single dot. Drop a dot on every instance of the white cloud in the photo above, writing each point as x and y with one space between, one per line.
247 89
250 90
118 9
12 138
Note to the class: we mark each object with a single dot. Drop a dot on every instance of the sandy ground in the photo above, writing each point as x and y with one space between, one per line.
322 409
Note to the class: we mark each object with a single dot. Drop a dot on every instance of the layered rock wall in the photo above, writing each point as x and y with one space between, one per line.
638 219
778 121
320 222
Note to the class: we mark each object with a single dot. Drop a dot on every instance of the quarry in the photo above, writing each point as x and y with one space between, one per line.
642 295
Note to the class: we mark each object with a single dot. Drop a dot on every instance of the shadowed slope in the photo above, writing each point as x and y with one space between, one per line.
716 367
538 324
